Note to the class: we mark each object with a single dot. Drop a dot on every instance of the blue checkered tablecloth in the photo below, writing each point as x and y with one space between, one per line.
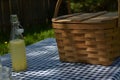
43 64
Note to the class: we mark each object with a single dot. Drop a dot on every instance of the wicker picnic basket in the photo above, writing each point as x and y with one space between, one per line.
88 37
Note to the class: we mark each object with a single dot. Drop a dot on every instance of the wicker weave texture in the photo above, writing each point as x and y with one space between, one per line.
94 43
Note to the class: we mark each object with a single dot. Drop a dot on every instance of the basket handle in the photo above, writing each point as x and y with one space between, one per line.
69 10
58 6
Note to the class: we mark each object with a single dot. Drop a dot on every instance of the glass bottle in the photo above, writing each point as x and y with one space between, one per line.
5 72
0 69
17 46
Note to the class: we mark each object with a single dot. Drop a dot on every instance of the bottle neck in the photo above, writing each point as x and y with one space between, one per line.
16 29
16 32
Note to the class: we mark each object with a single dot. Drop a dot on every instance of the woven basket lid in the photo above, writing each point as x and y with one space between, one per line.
97 17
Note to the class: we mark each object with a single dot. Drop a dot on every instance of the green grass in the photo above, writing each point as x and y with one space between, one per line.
31 35
3 48
29 39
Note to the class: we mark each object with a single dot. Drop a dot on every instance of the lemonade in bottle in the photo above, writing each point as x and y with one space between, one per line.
17 46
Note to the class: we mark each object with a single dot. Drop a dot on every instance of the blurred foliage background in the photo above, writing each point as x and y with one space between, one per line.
93 5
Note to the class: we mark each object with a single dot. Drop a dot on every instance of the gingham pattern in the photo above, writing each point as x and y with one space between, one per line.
43 64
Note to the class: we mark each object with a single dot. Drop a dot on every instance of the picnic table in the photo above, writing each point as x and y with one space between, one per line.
44 64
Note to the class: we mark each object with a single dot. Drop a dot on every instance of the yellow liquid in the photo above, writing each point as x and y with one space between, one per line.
18 54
